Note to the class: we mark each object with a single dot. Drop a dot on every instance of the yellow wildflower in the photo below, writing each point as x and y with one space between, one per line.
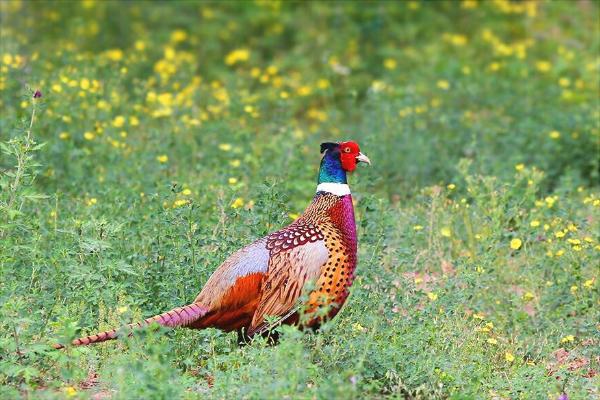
84 84
114 54
446 232
304 90
134 121
492 341
103 105
443 84
564 82
186 192
255 72
495 66
323 84
469 4
119 121
179 36
272 70
509 357
225 147
237 56
543 66
520 167
554 135
535 223
56 88
515 244
7 59
70 391
89 136
180 202
92 201
432 296
390 63
232 181
451 186
458 40
568 339
162 158
63 136
237 203
588 284
528 296
418 227
574 289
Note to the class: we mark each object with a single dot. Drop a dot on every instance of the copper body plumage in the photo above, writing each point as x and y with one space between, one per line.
313 258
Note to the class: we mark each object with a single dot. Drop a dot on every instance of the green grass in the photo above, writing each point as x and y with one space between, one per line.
168 136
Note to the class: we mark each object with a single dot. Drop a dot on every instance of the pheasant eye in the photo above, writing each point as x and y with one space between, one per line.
347 150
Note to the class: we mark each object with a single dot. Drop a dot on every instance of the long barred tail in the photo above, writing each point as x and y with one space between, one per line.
181 316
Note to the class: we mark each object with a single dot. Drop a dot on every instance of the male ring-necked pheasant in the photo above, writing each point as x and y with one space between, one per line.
267 277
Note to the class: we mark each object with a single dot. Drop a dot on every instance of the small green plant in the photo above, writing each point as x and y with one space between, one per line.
16 182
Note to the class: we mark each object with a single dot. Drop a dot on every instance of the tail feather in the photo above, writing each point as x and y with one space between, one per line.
180 316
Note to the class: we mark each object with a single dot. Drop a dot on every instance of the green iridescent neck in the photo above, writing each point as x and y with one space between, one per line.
331 170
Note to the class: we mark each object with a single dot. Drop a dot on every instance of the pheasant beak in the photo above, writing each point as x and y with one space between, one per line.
362 158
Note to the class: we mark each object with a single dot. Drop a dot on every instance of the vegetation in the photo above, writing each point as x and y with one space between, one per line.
168 135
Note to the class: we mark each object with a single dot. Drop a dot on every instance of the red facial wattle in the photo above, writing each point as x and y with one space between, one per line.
348 153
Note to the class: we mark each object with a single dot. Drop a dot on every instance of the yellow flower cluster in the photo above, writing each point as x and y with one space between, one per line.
237 56
455 39
502 49
529 7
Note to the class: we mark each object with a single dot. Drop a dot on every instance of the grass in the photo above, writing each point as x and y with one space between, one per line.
167 136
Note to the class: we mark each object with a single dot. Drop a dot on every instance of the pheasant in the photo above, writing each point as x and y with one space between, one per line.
315 256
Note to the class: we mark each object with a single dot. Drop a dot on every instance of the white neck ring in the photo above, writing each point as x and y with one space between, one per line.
339 189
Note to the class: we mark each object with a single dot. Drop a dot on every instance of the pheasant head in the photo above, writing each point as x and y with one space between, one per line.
339 159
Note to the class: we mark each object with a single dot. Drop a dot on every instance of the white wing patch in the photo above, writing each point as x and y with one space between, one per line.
252 259
249 260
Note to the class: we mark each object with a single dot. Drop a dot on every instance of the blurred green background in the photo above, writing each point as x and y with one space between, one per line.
419 85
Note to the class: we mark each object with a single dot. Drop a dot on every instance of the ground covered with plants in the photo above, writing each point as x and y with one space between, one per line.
142 144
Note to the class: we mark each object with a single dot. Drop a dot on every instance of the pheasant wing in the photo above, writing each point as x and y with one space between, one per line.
298 254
